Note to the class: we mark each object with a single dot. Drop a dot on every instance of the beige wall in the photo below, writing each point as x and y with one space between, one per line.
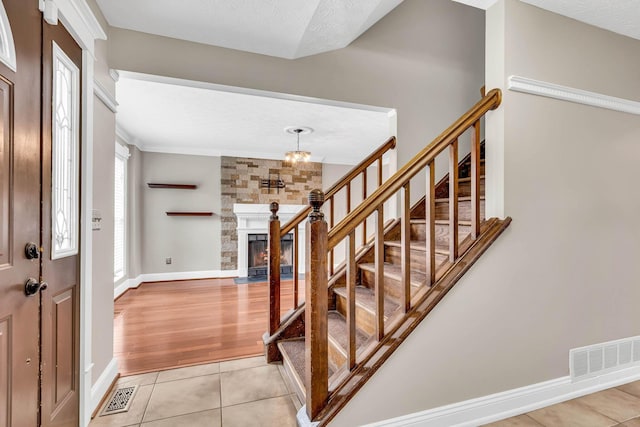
426 59
193 243
102 258
565 273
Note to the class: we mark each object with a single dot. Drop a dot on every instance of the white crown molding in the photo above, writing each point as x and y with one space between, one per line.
566 93
488 409
198 151
127 138
480 4
103 95
115 75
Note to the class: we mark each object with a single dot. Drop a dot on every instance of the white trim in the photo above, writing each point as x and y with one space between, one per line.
115 76
86 239
126 285
566 93
166 277
8 53
103 383
103 95
480 4
127 138
189 275
199 151
122 151
510 403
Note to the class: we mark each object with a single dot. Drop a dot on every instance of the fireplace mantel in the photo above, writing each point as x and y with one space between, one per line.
254 219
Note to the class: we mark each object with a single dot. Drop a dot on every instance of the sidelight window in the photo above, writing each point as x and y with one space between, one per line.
65 203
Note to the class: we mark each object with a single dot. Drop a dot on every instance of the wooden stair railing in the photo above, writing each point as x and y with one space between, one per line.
321 241
276 231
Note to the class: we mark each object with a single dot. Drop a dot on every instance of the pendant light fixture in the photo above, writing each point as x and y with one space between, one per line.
298 155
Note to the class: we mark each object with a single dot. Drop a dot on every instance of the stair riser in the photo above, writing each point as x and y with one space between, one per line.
365 320
464 188
464 210
418 232
336 357
418 258
392 286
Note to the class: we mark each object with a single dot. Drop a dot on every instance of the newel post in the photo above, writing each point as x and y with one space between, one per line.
316 308
274 269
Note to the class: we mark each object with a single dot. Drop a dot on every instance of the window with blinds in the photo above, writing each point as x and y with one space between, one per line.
120 213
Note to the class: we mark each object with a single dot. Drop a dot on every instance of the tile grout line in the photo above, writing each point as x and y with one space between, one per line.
153 388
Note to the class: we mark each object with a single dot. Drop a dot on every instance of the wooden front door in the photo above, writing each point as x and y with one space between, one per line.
60 302
20 107
39 338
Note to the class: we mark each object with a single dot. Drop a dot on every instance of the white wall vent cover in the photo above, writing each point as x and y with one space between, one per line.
598 359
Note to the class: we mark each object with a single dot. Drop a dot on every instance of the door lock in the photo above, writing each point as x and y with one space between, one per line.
32 287
31 251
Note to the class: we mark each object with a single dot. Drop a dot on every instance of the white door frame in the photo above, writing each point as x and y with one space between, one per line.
80 21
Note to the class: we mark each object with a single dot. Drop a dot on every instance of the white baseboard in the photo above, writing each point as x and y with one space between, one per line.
487 409
189 275
125 285
164 277
101 387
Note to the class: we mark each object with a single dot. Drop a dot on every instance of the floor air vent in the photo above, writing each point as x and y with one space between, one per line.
120 401
594 360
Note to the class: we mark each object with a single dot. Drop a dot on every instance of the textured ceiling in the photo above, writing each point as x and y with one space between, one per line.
168 115
620 16
284 28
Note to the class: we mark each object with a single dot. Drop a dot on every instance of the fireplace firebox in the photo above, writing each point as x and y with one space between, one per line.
258 255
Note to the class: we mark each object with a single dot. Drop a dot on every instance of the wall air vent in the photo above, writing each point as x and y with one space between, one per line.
598 359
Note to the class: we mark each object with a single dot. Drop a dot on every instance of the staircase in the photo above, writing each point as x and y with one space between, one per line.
357 313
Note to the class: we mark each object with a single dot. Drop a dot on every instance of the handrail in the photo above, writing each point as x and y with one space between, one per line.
341 230
389 144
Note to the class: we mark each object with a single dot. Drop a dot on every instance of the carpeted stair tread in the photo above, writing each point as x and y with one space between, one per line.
338 330
394 271
366 298
293 351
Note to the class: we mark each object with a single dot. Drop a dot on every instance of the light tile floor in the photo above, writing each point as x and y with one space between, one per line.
243 392
618 406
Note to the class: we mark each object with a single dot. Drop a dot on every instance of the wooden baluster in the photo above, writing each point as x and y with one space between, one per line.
379 171
453 201
405 247
475 180
348 197
364 196
379 268
351 299
430 224
331 223
296 261
274 269
316 309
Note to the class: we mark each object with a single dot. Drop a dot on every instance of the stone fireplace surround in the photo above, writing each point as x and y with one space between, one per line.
254 219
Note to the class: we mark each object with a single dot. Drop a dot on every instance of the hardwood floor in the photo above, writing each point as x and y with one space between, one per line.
164 325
